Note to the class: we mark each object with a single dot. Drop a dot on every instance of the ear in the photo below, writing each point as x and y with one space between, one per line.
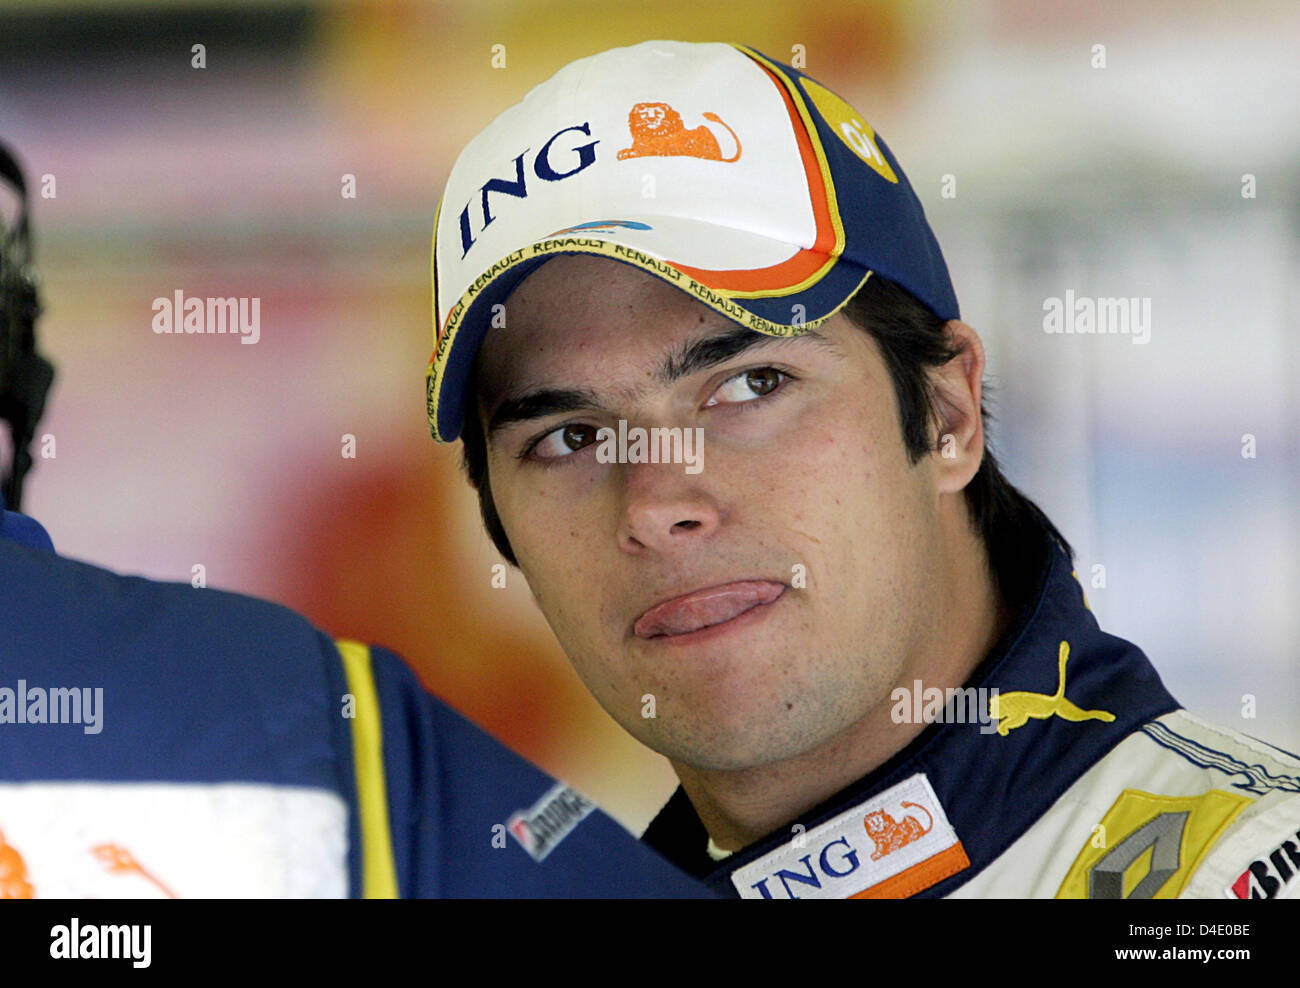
958 388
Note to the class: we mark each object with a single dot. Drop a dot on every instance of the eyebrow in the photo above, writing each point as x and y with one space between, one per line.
690 358
539 404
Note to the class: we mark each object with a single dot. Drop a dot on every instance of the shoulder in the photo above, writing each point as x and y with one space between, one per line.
163 739
89 609
1211 812
1253 851
194 681
164 653
1209 801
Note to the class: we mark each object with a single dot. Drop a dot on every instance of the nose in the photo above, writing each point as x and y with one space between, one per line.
665 509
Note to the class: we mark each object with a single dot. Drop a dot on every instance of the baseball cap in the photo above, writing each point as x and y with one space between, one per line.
734 177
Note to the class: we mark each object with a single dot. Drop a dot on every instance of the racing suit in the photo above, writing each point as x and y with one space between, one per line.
1061 763
162 740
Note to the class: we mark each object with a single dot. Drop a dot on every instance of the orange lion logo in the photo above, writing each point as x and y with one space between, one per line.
657 130
890 834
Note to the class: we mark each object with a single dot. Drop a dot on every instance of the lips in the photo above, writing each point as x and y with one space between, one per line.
704 608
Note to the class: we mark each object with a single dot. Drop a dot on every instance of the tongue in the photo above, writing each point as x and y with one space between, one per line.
704 608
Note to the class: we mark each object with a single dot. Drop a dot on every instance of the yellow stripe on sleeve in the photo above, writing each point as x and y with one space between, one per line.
378 868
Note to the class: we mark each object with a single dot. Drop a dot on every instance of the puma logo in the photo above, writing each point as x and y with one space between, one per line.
1012 710
13 873
657 130
889 834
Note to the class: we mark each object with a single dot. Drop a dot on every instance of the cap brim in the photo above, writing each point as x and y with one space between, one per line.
784 300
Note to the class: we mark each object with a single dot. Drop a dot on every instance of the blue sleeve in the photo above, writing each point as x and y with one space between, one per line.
199 686
454 793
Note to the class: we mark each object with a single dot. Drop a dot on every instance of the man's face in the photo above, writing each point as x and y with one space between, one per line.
768 601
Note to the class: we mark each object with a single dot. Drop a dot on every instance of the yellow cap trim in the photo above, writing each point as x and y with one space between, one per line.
587 245
828 180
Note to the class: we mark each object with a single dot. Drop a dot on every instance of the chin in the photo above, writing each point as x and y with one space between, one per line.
737 742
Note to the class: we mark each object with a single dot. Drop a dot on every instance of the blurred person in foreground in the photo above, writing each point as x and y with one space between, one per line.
162 740
706 361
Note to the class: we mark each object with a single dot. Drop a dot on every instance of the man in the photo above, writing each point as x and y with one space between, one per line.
719 407
160 740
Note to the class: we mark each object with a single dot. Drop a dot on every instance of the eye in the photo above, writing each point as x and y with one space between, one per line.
747 386
564 441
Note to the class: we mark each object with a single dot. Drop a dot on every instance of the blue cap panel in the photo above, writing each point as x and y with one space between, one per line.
884 223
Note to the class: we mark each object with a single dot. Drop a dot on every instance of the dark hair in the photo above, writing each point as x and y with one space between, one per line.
911 339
